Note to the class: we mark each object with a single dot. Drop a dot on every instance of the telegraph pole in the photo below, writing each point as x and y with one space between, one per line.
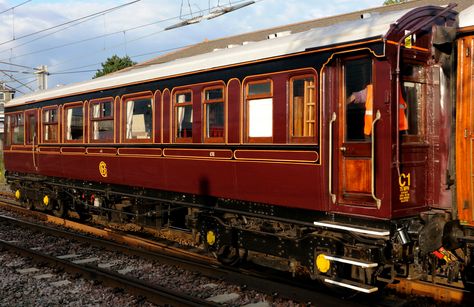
42 77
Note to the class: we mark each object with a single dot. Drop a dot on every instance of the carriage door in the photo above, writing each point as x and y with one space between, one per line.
32 136
352 146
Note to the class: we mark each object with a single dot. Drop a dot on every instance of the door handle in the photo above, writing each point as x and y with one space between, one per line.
343 149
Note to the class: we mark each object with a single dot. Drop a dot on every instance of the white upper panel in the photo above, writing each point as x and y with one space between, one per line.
377 25
466 17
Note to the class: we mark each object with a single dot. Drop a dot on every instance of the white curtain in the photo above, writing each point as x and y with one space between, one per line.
46 127
260 117
130 105
69 124
95 114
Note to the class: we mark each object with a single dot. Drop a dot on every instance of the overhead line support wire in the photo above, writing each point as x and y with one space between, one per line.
72 21
14 7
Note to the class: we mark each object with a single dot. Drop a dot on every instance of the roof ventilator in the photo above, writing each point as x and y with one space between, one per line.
278 34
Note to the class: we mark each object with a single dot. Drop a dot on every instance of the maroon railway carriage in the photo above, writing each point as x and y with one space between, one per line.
265 147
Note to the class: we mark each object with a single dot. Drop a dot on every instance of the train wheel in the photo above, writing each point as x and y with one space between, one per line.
29 204
229 255
59 209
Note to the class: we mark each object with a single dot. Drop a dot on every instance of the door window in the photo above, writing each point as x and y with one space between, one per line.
359 99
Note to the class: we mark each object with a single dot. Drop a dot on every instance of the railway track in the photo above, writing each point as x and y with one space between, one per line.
278 286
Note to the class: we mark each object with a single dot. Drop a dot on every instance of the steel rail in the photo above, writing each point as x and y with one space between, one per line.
153 293
280 286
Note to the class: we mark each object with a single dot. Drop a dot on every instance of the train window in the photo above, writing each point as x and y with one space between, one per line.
74 123
102 120
413 92
183 107
303 109
214 117
50 125
359 99
16 124
31 134
138 119
259 104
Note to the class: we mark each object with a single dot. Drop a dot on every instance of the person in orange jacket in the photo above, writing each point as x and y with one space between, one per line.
366 96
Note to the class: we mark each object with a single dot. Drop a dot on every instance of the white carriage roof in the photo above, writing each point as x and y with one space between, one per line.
466 17
373 25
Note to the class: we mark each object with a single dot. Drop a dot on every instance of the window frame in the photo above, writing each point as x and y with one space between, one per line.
303 139
11 124
248 98
45 124
176 105
71 105
137 96
91 119
28 114
205 103
367 140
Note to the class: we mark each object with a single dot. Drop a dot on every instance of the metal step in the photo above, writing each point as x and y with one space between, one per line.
351 285
366 230
353 261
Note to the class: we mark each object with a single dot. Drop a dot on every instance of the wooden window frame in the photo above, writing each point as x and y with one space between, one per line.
12 123
45 124
70 106
248 97
304 139
205 118
176 105
27 124
101 101
137 96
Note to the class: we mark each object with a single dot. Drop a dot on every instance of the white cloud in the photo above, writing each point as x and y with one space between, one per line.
41 14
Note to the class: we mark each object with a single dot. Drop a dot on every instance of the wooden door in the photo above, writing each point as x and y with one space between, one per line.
352 150
465 131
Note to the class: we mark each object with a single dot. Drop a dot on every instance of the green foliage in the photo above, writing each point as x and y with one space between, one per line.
114 63
389 2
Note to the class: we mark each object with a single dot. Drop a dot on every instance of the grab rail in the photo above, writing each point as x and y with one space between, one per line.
377 200
331 122
34 152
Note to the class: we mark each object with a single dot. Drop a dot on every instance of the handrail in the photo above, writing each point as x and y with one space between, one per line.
331 122
34 152
377 200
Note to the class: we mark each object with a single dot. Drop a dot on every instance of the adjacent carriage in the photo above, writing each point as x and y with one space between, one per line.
264 148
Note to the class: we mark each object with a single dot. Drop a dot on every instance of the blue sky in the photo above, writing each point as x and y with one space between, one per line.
73 53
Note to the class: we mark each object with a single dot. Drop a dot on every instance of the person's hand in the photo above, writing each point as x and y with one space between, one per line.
351 99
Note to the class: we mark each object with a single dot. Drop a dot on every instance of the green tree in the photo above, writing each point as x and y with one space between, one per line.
389 2
112 64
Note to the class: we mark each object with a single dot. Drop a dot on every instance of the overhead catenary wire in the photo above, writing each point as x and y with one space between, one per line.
71 21
72 70
14 7
100 36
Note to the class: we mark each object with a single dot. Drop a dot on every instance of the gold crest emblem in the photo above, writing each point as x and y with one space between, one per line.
103 169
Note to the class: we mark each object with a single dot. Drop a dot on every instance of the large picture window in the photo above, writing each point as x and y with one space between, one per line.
50 125
214 115
259 111
303 110
102 120
74 130
183 110
138 118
